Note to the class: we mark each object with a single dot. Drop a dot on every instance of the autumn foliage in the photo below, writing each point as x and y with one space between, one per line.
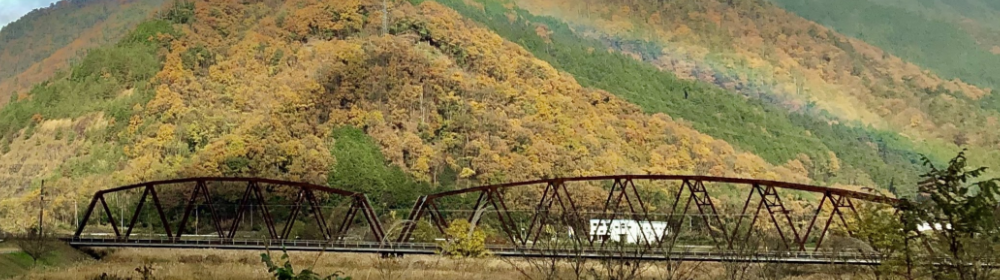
245 89
761 51
438 93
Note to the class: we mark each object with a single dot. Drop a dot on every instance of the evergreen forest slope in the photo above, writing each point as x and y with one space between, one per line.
761 51
954 38
858 101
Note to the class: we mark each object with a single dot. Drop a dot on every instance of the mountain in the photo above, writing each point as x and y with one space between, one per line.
46 40
760 50
402 98
394 103
957 39
954 39
767 55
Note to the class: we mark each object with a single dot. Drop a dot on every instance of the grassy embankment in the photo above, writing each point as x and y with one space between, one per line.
14 263
243 265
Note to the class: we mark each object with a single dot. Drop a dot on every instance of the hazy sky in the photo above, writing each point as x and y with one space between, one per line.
11 10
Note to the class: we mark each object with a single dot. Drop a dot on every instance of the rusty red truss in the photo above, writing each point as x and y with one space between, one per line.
524 213
664 209
229 202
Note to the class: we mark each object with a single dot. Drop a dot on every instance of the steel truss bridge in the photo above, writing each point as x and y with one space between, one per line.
543 218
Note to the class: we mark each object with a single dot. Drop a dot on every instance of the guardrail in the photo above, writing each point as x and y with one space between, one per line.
391 248
269 243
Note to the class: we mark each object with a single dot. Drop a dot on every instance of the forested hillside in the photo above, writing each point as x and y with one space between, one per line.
864 156
46 40
834 86
339 93
953 38
763 52
420 96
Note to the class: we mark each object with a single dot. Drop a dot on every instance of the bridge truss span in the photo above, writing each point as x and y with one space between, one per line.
655 217
727 213
230 203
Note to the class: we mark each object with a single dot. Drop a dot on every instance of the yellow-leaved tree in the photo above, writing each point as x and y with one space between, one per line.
464 241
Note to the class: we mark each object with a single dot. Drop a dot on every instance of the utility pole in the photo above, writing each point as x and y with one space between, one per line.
385 17
41 207
76 214
118 201
121 210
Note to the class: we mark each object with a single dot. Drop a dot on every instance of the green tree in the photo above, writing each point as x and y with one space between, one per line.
362 167
35 245
965 212
890 238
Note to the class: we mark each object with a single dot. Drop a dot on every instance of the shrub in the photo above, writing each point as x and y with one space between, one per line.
464 241
146 271
106 276
286 272
182 12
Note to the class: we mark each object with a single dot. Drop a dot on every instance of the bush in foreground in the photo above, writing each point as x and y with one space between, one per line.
286 272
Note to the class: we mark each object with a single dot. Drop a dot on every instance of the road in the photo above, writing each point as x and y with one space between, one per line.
9 250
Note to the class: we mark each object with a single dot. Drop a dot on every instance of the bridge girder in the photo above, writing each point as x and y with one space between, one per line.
253 196
555 192
556 202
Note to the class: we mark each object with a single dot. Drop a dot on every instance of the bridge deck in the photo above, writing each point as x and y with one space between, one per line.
500 251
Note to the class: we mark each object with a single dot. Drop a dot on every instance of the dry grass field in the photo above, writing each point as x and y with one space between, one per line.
246 265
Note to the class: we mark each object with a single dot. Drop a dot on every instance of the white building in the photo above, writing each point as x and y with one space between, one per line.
627 231
926 227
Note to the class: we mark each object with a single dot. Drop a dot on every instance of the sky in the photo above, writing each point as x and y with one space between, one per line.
11 10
